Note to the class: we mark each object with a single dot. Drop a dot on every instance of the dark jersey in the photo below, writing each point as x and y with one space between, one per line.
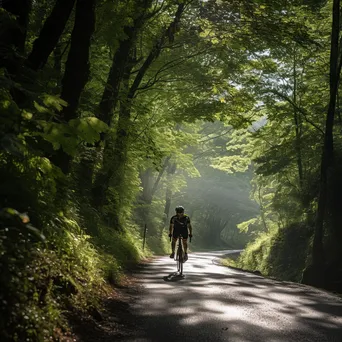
180 225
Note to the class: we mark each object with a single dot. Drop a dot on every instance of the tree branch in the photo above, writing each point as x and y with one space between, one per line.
161 172
217 136
155 52
169 65
301 110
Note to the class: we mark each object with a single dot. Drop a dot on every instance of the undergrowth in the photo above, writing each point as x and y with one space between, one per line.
44 277
281 253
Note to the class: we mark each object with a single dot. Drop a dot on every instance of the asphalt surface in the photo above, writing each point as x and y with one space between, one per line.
216 303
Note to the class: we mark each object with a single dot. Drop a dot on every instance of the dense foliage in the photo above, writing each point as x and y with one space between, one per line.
112 112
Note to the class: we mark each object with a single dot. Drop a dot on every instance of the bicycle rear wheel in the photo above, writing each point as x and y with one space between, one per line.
180 260
181 267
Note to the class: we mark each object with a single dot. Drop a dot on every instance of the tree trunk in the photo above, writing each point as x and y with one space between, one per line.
13 37
314 274
336 214
57 65
83 172
121 57
171 169
146 183
57 54
168 200
110 94
148 189
110 98
77 68
298 125
16 36
115 178
50 34
101 184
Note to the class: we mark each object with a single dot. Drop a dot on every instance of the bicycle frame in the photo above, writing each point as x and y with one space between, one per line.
180 255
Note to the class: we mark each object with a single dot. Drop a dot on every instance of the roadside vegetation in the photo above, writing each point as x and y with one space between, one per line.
114 112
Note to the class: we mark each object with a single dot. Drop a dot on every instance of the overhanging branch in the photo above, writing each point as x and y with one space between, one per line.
299 109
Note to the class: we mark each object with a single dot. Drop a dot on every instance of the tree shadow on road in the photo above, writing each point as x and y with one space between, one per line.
217 304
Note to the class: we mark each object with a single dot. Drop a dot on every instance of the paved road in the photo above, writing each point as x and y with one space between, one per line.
215 303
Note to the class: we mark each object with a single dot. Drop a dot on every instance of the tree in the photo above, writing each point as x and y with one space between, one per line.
315 274
129 92
76 73
14 35
50 34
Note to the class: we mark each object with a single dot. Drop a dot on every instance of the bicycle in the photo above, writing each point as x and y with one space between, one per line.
179 256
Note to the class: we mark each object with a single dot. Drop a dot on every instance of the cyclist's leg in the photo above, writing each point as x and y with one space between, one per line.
173 243
185 235
185 245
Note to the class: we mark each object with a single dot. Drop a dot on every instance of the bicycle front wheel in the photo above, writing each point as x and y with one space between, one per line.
180 260
181 267
179 263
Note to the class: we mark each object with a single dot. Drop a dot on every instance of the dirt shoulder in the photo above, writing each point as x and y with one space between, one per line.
113 321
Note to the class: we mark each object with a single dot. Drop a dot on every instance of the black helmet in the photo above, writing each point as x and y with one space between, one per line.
179 209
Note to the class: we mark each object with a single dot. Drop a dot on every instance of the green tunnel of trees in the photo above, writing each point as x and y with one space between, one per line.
112 112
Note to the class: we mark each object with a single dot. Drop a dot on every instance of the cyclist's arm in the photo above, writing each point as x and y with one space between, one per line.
171 226
189 227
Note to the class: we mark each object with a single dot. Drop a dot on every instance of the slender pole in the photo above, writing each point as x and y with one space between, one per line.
145 230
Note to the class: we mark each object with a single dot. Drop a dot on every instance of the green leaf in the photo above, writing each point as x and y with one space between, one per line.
60 135
54 102
40 108
89 129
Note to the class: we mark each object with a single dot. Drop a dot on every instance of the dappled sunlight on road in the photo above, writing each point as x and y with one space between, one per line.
215 303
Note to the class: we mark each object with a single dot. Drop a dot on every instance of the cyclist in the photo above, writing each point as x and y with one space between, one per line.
180 225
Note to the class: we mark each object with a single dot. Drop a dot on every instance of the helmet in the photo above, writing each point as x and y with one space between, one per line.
179 209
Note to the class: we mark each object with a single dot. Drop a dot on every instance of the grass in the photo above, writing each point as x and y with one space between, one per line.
231 260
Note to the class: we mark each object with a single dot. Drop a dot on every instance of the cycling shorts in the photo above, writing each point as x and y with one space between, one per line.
180 231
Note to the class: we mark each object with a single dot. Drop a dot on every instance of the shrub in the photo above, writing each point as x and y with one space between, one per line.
40 278
281 254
